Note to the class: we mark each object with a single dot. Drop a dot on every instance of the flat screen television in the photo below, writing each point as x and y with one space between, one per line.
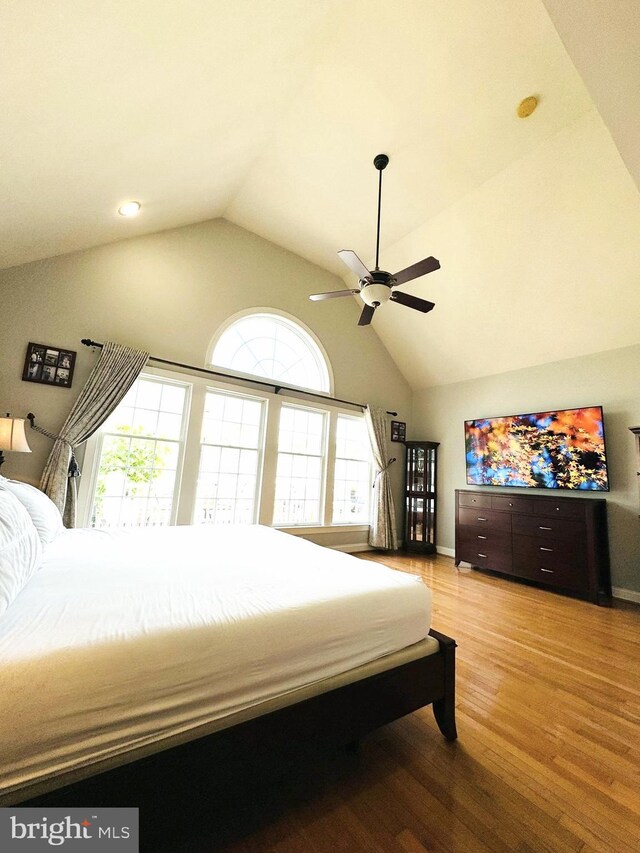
543 450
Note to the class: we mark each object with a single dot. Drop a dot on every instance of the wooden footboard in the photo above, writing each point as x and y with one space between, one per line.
335 718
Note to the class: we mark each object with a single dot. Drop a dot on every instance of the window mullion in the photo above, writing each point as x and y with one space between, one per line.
330 466
270 462
186 496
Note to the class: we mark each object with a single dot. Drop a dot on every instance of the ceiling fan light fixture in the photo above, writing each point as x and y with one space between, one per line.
375 294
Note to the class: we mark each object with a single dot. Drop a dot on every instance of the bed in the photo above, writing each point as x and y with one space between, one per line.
127 644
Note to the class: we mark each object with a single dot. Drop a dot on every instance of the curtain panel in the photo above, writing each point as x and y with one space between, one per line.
383 532
115 372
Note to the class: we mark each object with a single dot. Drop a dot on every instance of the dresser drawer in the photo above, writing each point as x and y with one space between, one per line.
484 554
548 528
555 572
550 553
469 499
561 509
485 539
512 503
478 518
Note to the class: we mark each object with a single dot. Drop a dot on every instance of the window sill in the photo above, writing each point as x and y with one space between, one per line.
322 528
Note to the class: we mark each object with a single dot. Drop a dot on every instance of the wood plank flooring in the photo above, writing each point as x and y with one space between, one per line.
548 755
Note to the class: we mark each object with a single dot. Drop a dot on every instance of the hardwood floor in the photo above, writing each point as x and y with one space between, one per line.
548 755
547 758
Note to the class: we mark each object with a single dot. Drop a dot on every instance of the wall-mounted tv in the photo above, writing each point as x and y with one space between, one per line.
543 450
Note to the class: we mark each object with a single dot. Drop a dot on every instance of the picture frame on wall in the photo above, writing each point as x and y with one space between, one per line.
49 365
398 431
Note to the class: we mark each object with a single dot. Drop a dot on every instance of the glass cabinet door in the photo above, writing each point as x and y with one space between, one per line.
416 469
415 518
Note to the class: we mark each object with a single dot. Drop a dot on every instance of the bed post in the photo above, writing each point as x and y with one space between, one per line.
444 709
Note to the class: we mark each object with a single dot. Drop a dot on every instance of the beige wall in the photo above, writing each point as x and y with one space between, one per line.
609 378
168 293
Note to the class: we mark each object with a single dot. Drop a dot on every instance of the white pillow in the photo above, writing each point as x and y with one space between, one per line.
20 548
44 513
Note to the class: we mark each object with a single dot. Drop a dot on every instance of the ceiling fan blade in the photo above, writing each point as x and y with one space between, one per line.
367 315
354 263
412 301
416 270
333 294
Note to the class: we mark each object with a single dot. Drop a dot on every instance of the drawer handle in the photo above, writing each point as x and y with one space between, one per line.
540 527
510 504
548 571
481 519
485 556
481 537
546 549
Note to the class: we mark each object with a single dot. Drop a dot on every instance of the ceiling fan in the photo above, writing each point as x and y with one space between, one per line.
375 288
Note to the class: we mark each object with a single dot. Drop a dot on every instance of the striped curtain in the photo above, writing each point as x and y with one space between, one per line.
115 372
383 532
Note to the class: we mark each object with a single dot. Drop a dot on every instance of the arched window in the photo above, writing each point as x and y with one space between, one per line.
273 346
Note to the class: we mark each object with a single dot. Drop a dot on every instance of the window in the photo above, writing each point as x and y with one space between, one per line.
352 479
299 476
184 449
275 347
230 459
140 456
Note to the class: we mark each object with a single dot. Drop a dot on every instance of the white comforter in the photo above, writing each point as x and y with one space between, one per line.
129 637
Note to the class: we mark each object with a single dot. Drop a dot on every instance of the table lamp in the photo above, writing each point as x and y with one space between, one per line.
12 436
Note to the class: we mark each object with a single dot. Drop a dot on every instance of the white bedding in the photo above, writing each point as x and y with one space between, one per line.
126 638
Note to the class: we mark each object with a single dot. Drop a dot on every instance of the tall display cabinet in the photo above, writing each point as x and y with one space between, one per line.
420 496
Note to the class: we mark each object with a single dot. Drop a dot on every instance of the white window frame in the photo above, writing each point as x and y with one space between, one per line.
189 457
93 452
335 457
264 416
274 312
322 500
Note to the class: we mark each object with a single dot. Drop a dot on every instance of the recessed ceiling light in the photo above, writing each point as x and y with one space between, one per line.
527 106
130 208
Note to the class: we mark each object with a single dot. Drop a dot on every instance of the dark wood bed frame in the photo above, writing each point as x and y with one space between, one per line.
338 717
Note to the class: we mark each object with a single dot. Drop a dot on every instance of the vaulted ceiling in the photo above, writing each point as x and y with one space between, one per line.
269 113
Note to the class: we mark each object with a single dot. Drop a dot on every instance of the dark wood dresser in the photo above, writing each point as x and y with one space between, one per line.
559 542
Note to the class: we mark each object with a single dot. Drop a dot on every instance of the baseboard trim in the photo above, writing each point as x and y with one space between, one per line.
447 552
351 549
626 594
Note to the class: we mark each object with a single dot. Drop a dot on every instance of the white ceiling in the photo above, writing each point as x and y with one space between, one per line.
269 113
603 40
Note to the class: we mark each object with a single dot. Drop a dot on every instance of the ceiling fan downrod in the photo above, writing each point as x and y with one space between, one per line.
380 161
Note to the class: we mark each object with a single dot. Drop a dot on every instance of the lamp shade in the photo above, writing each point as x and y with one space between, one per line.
12 435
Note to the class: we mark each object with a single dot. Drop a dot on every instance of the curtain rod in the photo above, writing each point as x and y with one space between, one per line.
277 388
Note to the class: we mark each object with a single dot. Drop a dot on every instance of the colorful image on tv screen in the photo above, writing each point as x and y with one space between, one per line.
548 450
